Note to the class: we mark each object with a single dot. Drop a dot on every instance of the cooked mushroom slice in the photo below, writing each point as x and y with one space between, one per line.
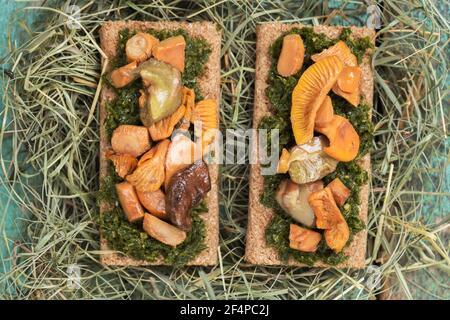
129 201
303 239
344 140
337 237
181 153
163 91
149 175
325 209
308 162
291 56
164 128
139 47
185 190
171 51
188 101
339 190
205 112
309 93
340 50
122 76
325 113
347 85
131 140
329 217
293 198
154 202
124 164
283 163
162 231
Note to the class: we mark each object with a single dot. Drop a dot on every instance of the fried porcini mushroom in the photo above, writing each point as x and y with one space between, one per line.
309 93
129 201
131 140
186 189
171 51
139 47
124 75
124 164
309 162
329 217
325 113
340 191
163 231
154 202
303 239
162 94
293 198
283 163
291 56
344 140
149 174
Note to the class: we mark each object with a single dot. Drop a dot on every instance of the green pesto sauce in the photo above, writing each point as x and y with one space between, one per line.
279 92
133 241
125 109
122 235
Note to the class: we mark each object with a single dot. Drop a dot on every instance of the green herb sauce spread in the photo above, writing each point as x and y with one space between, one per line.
122 235
133 241
279 93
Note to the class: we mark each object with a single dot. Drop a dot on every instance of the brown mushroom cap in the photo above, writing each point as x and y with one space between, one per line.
185 190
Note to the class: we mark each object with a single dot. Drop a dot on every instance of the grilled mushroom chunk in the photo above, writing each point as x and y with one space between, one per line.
309 162
293 198
162 95
185 190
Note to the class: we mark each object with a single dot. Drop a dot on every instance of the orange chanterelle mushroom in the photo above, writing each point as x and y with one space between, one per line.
122 76
283 163
344 140
291 56
329 217
325 113
164 128
124 164
149 175
347 85
139 47
339 190
171 51
129 201
303 239
131 140
309 94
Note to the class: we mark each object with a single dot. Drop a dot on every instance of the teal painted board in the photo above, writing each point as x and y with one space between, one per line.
11 226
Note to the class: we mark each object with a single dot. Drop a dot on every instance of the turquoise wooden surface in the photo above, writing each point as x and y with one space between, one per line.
10 226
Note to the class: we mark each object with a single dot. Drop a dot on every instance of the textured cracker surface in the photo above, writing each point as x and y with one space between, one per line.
257 251
209 85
